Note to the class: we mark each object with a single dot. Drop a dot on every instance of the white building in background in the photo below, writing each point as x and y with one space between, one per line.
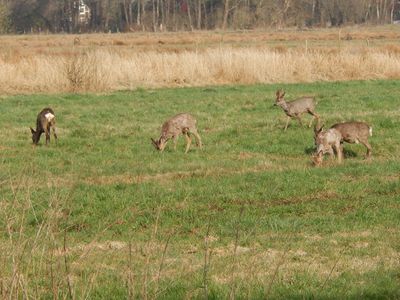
84 13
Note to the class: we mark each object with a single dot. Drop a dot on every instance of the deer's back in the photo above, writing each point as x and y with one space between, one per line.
353 131
176 124
301 105
332 135
45 116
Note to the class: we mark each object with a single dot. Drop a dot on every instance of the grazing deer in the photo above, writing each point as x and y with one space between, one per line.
180 124
296 108
327 141
45 121
349 132
355 132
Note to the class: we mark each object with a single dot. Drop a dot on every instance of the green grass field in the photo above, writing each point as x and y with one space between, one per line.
101 214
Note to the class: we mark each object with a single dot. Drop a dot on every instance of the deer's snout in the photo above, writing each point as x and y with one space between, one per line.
317 159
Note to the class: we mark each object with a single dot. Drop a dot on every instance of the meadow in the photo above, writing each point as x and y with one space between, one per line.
103 215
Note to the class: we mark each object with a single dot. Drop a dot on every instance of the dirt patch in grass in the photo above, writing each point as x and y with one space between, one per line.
169 176
245 155
68 181
354 234
319 196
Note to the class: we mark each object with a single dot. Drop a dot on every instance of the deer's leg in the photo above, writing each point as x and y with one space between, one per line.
314 116
309 124
330 152
287 122
47 132
339 152
198 139
188 142
53 127
175 139
299 118
369 148
341 149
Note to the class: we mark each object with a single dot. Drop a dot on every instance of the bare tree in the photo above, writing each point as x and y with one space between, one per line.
21 16
226 12
126 7
392 11
199 14
189 15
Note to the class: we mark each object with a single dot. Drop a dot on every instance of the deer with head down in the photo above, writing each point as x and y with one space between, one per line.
327 141
181 124
295 108
45 121
333 139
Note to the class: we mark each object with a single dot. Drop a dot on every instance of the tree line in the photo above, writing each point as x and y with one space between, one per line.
73 16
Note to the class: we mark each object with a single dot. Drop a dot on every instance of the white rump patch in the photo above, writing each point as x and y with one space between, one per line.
370 131
49 117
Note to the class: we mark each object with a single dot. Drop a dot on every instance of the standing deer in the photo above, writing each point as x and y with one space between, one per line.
296 108
349 132
180 124
45 121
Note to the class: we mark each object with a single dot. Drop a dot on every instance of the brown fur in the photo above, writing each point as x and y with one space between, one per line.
44 125
181 124
355 132
333 139
327 141
296 108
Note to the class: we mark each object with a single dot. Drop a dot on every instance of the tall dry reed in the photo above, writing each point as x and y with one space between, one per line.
102 70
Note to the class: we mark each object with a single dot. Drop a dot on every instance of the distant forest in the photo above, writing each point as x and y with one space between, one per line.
74 16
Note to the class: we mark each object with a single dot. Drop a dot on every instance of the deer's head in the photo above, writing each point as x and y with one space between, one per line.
321 141
317 159
280 94
159 144
35 137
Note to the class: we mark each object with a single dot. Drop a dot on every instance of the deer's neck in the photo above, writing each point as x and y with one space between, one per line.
284 106
165 136
37 135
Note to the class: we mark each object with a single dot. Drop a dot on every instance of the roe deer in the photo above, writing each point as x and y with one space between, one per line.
349 132
355 132
180 124
45 121
296 108
327 141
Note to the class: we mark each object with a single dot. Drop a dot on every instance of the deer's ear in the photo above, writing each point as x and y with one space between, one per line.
154 142
32 131
318 128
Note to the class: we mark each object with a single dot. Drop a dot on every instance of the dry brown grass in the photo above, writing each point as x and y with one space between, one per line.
101 62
